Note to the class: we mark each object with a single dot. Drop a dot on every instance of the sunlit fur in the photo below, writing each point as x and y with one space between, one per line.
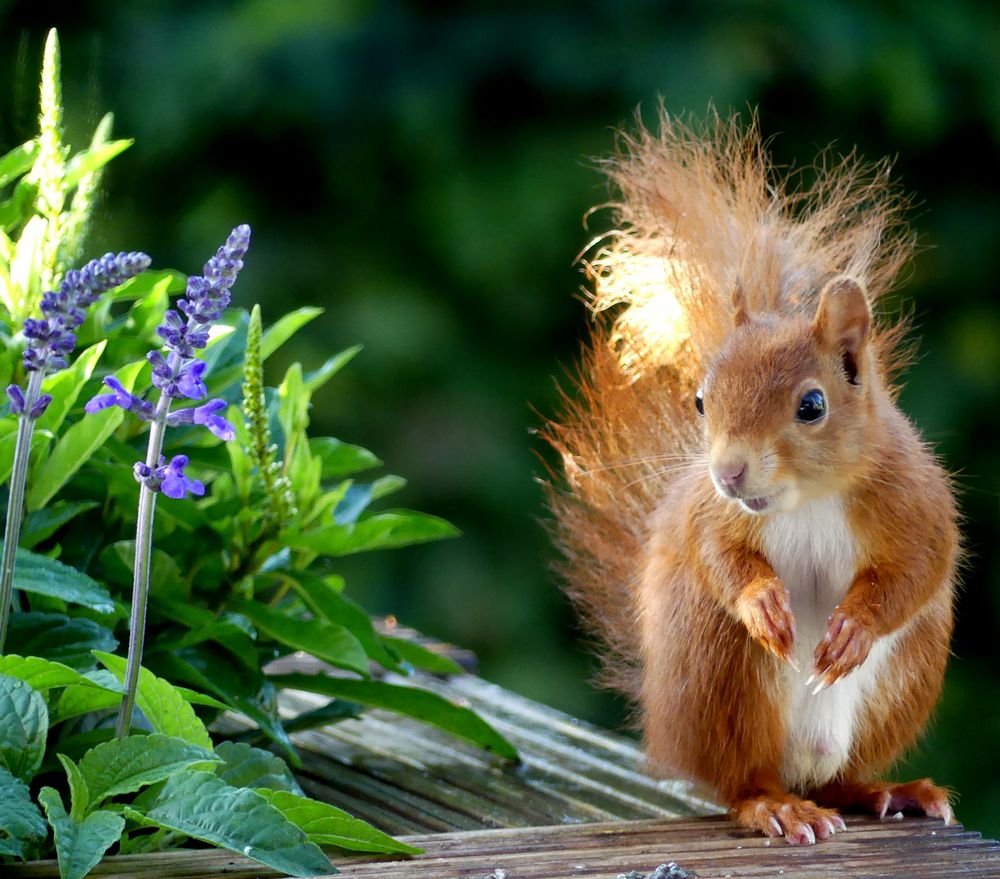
663 567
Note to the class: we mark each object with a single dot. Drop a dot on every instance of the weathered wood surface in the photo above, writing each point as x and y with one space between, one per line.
406 777
712 848
578 806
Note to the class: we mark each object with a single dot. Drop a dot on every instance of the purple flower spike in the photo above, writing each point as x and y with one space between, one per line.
52 338
205 415
120 397
173 481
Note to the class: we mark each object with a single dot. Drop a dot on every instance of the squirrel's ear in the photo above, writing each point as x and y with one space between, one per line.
740 313
843 320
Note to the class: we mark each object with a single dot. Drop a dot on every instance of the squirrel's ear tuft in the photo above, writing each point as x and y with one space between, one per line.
843 321
740 314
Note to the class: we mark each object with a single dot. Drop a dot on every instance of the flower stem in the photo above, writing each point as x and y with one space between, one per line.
141 570
15 503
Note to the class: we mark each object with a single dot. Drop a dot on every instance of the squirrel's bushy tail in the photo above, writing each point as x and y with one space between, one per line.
699 211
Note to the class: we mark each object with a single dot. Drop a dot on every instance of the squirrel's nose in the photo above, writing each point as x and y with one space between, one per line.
731 476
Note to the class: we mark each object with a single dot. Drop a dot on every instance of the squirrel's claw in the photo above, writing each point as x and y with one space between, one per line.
766 611
844 647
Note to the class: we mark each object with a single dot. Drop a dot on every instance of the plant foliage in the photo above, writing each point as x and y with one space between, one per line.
237 578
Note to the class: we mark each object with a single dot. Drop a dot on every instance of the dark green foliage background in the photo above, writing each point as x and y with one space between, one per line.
422 171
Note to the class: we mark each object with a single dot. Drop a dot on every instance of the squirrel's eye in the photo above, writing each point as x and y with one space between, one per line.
699 401
812 407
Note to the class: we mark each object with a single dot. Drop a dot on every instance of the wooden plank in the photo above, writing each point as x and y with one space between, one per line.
711 847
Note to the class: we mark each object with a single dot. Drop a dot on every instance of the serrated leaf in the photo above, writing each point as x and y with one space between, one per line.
56 636
329 602
341 459
166 710
327 825
244 690
246 766
78 443
327 641
44 576
43 674
79 795
123 766
420 657
202 806
411 701
79 845
20 821
382 531
24 724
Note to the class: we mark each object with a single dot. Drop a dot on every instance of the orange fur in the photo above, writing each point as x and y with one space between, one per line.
721 274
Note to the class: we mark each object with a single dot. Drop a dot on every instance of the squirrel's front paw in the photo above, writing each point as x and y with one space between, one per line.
846 645
766 610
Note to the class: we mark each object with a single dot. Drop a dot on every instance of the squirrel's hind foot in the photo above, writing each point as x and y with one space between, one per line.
801 822
884 798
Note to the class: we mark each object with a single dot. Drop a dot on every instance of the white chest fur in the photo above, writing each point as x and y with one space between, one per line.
812 550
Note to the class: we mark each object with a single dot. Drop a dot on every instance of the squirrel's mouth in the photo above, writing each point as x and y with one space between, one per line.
758 504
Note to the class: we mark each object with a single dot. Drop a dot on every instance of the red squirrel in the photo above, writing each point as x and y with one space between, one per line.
760 536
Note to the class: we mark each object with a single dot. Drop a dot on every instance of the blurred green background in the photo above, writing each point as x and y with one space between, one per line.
422 171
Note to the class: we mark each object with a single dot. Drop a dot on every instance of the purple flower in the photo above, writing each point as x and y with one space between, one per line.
16 397
208 296
178 377
169 478
53 337
205 415
119 397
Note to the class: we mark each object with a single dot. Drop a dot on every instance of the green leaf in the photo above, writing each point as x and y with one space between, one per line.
327 641
79 795
341 459
420 704
78 443
24 724
327 825
244 690
420 657
44 576
332 712
77 700
317 378
246 766
65 386
20 821
123 766
202 806
328 601
286 327
381 531
88 161
55 636
42 524
17 161
79 845
166 710
43 674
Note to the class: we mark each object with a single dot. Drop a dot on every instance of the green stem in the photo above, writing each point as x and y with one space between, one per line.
15 504
141 566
